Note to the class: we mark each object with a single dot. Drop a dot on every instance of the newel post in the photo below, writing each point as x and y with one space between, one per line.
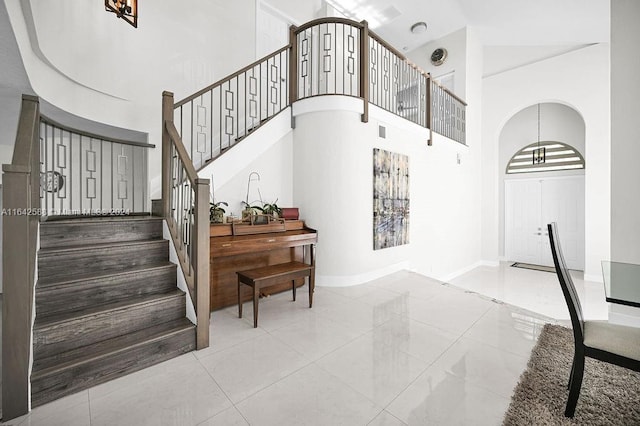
293 65
201 264
428 109
167 116
21 202
364 70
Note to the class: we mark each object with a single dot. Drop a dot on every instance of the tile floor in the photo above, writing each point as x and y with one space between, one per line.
403 349
534 290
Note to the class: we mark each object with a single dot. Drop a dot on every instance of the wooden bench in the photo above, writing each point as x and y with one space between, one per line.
274 274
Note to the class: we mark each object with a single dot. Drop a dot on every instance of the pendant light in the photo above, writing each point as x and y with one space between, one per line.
539 154
125 9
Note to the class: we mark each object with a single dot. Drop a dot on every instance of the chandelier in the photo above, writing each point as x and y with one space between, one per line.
125 9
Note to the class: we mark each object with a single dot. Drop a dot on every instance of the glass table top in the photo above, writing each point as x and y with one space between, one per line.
621 282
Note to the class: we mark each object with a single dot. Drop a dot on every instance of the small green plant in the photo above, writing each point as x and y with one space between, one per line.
250 211
216 212
272 209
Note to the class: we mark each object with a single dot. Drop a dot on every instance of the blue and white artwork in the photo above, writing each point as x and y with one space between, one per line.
390 199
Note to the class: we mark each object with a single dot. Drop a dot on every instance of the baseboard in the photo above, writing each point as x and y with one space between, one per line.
350 280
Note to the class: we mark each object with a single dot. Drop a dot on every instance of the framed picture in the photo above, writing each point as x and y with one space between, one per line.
390 199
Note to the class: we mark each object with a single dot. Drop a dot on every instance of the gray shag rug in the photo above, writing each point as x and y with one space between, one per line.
610 395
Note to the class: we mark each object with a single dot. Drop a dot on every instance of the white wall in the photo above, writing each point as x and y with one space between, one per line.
578 79
274 166
299 11
267 152
625 141
333 187
180 49
456 45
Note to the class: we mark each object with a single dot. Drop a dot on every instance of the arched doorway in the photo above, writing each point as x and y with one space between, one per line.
535 191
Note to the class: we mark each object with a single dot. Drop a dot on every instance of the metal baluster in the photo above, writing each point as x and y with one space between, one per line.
210 124
236 107
220 121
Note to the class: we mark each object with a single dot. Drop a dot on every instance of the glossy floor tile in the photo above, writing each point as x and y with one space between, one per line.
311 396
403 349
535 291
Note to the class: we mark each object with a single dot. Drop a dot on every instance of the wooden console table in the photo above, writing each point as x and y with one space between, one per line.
232 253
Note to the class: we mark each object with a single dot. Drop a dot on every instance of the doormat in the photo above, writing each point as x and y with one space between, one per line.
534 267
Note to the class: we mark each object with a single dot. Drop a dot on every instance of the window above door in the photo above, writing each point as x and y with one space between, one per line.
545 156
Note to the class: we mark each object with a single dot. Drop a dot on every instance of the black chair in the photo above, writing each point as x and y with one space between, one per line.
612 343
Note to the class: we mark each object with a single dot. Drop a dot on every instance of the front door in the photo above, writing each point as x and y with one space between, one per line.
532 203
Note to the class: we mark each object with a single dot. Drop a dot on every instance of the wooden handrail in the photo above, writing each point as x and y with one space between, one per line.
392 49
330 20
230 77
449 92
192 175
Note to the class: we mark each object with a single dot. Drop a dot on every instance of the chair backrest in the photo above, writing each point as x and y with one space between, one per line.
566 283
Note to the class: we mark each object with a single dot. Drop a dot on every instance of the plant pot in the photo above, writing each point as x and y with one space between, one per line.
216 216
247 214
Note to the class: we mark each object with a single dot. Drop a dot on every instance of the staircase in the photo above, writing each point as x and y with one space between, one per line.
107 304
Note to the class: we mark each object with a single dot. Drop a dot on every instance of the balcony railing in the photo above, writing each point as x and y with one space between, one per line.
448 114
328 56
395 84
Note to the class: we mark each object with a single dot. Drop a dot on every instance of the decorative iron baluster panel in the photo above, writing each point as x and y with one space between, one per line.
328 60
83 174
395 85
216 118
182 201
448 114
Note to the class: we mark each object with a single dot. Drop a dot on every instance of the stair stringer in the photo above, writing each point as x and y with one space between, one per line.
227 166
181 281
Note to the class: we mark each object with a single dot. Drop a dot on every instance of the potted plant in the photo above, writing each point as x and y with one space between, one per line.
272 209
216 212
250 211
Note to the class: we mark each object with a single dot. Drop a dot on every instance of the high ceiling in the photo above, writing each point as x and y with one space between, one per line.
498 22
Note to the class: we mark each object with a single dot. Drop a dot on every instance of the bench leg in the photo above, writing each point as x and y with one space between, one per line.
312 286
255 306
239 300
293 286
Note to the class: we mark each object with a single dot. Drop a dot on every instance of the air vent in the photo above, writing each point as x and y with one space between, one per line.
390 13
382 132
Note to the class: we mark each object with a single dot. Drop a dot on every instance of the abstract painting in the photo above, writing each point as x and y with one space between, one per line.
390 199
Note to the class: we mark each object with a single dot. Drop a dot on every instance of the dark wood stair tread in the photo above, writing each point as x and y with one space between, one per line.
60 280
106 348
46 321
105 218
49 251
